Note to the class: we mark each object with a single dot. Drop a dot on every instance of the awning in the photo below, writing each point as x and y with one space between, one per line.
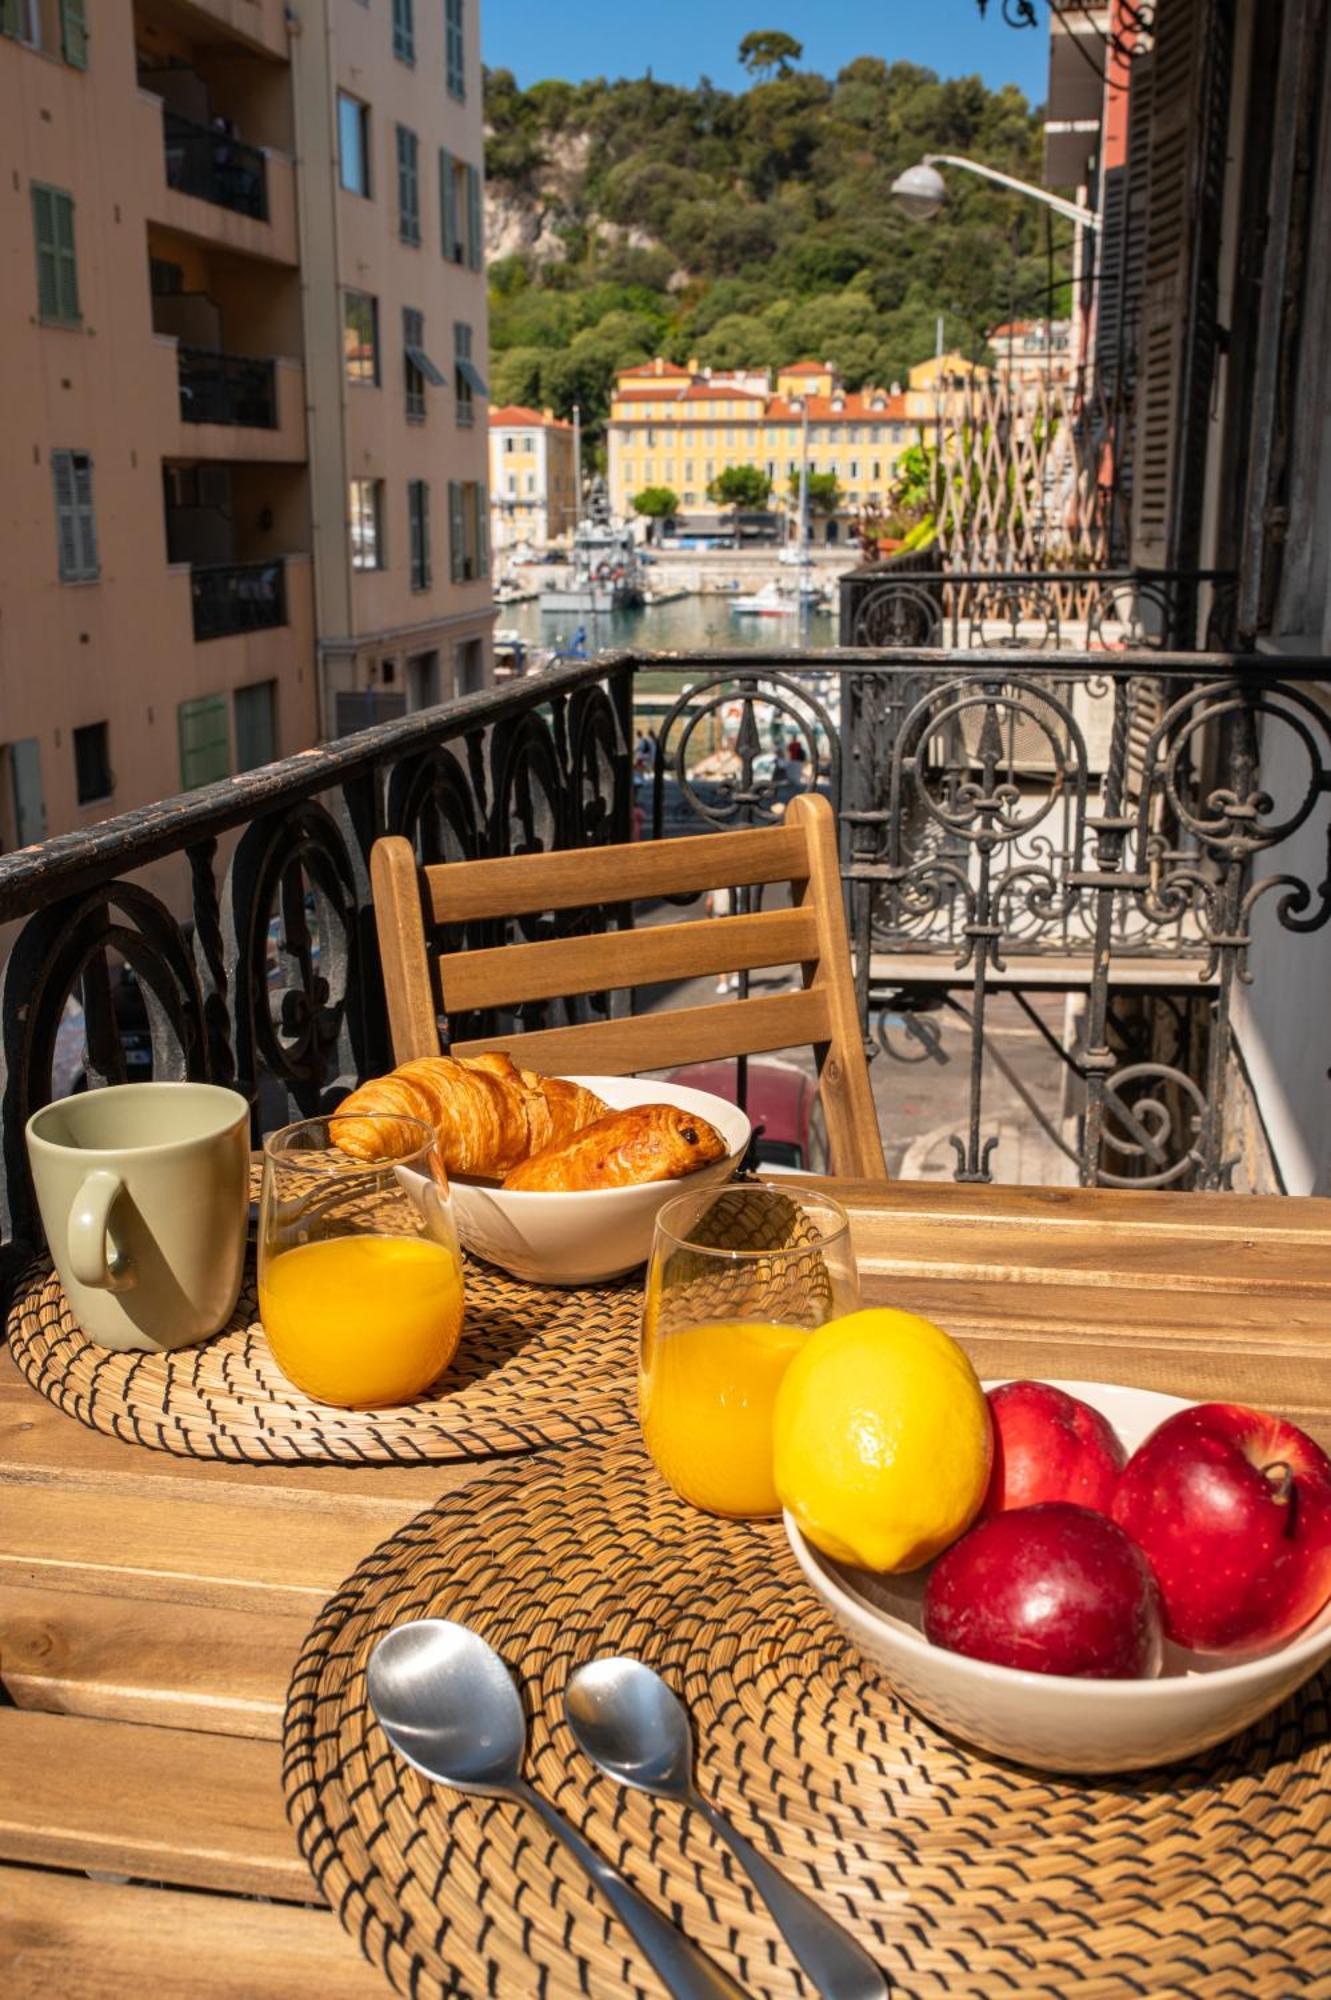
419 359
472 376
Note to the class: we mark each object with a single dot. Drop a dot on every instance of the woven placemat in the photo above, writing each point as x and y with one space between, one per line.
962 1876
534 1368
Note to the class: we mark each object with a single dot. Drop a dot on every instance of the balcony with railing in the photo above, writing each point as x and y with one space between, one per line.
1159 868
230 389
216 186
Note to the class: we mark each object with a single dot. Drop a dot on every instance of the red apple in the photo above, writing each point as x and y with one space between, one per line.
1232 1509
1055 1589
1049 1446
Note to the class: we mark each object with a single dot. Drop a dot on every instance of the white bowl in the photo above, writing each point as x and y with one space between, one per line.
1053 1721
580 1239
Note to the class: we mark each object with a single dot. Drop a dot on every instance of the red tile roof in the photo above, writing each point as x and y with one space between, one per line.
510 414
805 368
856 408
657 367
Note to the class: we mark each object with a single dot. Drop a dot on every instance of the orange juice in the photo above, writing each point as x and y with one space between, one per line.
362 1320
706 1395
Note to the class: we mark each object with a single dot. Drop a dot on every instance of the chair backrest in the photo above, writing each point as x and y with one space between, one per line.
801 851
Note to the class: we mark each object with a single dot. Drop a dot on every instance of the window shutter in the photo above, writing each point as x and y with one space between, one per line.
1176 350
205 746
475 220
74 33
448 206
457 532
85 525
404 31
67 277
423 505
67 540
11 17
43 230
482 531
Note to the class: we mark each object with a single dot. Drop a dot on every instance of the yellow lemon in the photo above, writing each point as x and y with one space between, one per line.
881 1440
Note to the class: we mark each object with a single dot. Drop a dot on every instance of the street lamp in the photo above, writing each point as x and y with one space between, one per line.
921 190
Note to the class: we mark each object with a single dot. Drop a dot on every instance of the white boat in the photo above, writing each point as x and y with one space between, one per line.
769 602
605 574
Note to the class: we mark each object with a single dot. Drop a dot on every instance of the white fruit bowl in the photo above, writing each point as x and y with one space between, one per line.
581 1239
1052 1721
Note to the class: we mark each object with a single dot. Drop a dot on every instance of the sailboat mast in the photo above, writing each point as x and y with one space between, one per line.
577 467
804 480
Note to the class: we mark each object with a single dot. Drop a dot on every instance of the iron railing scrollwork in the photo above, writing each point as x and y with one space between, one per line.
1146 832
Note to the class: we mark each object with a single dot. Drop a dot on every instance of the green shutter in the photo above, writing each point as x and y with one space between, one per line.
256 725
475 224
423 505
482 531
11 18
205 746
74 33
457 532
43 230
448 206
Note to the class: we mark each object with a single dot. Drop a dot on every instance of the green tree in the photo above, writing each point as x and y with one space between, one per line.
740 486
767 49
824 491
656 503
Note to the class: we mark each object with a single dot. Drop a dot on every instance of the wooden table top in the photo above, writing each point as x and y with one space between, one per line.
151 1608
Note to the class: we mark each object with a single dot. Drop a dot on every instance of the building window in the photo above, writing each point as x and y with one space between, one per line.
418 515
92 763
404 30
877 470
366 508
469 666
468 544
57 272
422 681
854 468
353 143
468 382
360 337
875 434
256 725
76 527
461 214
455 51
417 365
205 748
408 186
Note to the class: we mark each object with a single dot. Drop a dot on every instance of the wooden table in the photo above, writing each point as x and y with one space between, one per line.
151 1607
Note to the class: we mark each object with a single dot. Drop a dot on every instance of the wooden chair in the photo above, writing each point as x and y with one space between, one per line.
801 851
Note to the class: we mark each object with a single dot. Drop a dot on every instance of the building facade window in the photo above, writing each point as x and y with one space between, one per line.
365 506
93 778
205 747
75 522
255 709
404 30
468 542
422 681
360 337
468 382
408 186
418 516
57 269
353 144
455 50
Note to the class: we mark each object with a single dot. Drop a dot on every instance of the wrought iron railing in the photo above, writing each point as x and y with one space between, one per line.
226 389
1127 828
208 161
900 603
237 597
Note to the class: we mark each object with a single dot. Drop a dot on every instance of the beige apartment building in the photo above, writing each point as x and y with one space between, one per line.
533 481
681 427
243 461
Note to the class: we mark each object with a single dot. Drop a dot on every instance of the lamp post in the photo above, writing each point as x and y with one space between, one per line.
921 190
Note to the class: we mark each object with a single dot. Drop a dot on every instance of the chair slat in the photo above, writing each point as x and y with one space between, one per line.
515 886
627 958
670 1039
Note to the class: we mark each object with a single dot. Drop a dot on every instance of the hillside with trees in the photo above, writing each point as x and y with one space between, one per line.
749 228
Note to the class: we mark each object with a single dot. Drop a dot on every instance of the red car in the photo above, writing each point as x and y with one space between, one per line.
782 1102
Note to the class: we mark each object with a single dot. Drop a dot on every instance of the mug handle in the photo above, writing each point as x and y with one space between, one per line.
87 1233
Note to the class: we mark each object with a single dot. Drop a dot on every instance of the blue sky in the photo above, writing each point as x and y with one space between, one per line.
681 40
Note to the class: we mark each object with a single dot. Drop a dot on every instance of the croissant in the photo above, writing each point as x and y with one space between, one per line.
649 1142
488 1113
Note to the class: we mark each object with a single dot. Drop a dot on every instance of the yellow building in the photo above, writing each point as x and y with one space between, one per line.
533 480
681 427
947 375
243 456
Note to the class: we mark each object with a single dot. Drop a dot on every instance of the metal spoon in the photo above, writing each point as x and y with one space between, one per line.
446 1703
635 1729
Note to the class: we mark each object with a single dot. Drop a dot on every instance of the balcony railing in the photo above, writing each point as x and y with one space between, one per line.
237 597
206 161
1132 828
907 601
226 389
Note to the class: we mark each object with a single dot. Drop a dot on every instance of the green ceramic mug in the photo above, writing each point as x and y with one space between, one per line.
143 1190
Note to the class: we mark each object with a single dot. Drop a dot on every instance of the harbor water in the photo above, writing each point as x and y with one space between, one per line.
684 624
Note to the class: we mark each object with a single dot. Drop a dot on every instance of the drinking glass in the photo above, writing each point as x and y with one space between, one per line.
738 1279
360 1277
